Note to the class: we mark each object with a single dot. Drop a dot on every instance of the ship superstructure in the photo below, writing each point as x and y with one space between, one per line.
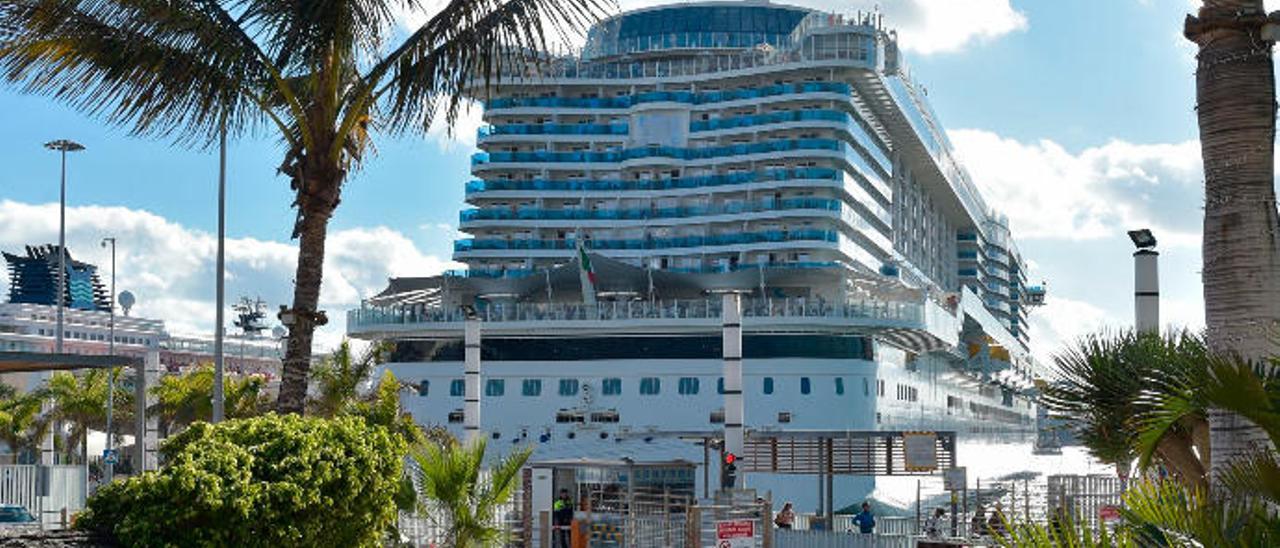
695 149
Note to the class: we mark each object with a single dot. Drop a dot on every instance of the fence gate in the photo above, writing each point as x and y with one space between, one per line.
20 486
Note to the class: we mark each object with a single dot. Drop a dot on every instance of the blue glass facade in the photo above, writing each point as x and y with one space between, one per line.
699 27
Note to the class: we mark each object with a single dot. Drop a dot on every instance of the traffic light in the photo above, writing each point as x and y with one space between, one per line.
728 471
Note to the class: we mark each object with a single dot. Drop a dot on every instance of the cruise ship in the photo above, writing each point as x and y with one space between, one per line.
691 150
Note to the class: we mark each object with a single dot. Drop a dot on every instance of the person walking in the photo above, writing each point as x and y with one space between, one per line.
562 518
865 521
786 517
978 525
996 524
933 525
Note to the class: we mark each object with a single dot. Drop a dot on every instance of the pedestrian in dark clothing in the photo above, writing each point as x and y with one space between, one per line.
865 520
562 518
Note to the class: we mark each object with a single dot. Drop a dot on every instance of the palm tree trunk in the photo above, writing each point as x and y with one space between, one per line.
1235 96
314 213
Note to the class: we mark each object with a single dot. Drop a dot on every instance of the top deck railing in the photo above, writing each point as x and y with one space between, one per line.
665 309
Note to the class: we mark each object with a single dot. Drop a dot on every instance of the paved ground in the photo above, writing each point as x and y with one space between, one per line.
14 537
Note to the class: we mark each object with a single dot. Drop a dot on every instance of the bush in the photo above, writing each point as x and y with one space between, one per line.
265 481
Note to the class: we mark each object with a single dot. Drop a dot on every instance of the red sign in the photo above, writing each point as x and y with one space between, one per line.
1109 513
742 528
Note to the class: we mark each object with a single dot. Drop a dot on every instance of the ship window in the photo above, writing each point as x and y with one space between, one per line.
866 387
768 385
423 387
784 416
688 386
568 387
531 387
720 385
457 388
717 416
495 387
839 386
455 417
804 385
611 386
650 386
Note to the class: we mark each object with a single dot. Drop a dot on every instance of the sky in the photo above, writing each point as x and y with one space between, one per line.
1075 118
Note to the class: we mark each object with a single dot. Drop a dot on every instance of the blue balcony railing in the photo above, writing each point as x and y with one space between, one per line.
855 130
690 97
807 173
651 243
552 129
678 153
706 269
642 213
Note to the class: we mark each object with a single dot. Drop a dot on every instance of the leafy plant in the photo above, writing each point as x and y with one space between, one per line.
453 489
264 481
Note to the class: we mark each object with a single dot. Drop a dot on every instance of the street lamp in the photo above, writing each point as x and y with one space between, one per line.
219 396
1146 281
111 349
64 146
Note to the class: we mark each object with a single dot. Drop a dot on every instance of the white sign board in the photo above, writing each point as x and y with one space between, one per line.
921 451
954 479
737 533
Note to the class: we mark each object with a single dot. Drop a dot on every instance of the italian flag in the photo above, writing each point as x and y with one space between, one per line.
585 263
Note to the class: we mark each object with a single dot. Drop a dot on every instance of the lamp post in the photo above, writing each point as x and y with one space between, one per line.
1146 281
64 146
219 401
109 472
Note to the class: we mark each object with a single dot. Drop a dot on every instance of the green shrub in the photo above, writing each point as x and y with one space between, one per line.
265 481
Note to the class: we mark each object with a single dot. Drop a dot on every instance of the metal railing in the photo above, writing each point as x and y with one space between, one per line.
609 185
476 244
642 213
695 98
705 269
709 309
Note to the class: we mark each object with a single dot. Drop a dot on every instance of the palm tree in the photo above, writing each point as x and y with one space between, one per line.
21 422
452 485
78 399
1236 108
185 398
1103 385
318 74
340 376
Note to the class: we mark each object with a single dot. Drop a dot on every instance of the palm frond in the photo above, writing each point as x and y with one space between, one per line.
162 67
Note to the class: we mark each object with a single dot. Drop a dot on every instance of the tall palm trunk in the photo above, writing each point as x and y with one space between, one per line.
1235 96
317 199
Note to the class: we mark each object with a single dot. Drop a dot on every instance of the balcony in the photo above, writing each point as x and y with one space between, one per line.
689 97
832 236
677 153
610 185
551 129
706 269
637 214
859 134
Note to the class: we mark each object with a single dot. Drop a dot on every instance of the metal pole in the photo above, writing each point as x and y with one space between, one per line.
1146 290
110 469
731 315
62 249
471 399
219 402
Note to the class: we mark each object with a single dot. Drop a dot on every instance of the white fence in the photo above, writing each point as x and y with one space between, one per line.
50 493
836 539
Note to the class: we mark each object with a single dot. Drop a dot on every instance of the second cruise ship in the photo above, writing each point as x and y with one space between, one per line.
689 150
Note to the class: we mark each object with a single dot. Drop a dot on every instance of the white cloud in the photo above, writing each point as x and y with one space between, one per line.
1061 321
171 267
1051 193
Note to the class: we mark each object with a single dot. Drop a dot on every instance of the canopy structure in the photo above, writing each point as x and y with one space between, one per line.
22 362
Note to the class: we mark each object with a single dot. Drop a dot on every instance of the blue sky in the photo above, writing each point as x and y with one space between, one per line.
1074 117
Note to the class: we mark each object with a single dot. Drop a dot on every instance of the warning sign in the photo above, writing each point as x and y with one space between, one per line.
920 450
738 533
